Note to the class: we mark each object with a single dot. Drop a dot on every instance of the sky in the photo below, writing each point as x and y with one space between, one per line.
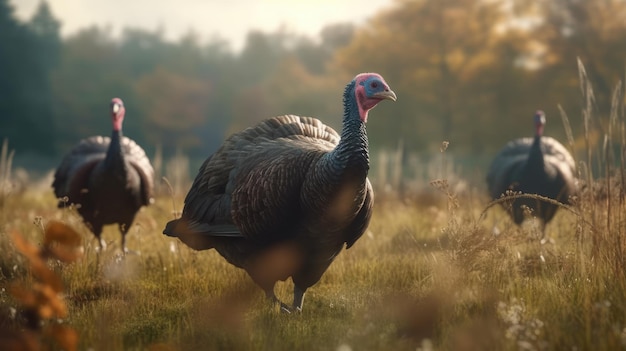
228 19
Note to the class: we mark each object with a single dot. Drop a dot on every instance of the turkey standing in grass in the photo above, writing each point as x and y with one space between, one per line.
281 199
539 165
108 179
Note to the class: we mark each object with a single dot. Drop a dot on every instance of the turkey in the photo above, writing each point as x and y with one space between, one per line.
108 178
539 165
281 199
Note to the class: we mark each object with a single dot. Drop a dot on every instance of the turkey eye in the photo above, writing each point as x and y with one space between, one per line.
374 85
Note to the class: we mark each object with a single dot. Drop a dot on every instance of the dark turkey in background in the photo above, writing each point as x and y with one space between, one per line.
539 165
108 179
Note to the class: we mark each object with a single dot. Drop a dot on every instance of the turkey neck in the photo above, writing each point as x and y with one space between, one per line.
114 160
535 161
352 151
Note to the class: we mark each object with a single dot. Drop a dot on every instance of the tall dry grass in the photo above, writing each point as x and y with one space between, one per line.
6 161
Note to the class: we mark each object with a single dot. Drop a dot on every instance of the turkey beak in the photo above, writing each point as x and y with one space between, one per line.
116 108
386 94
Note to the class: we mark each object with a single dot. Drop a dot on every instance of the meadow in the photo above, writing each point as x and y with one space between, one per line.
442 268
430 274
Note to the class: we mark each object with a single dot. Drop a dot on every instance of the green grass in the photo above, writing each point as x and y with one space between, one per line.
422 277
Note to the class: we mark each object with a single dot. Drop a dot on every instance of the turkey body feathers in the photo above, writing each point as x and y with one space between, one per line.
108 189
540 166
267 187
72 176
258 184
282 198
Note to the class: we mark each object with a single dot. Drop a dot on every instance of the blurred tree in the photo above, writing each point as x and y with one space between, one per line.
259 59
12 36
47 29
468 71
250 105
175 106
315 57
312 55
433 52
143 50
289 76
594 31
146 71
290 89
260 56
337 35
27 55
90 73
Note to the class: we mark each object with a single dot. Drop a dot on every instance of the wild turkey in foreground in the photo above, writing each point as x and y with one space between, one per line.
539 165
109 178
281 199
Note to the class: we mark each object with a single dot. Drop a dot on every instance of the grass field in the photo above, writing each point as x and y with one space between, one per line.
431 273
428 274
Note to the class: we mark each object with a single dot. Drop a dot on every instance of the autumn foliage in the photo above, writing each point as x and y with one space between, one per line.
468 71
41 308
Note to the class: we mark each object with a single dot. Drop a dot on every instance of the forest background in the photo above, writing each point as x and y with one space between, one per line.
471 72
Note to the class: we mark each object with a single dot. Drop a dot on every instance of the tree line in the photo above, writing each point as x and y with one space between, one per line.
471 72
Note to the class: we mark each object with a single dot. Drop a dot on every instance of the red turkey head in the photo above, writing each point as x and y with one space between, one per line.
369 90
117 113
540 122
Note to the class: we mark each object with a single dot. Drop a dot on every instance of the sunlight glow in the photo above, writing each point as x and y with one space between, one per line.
229 20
